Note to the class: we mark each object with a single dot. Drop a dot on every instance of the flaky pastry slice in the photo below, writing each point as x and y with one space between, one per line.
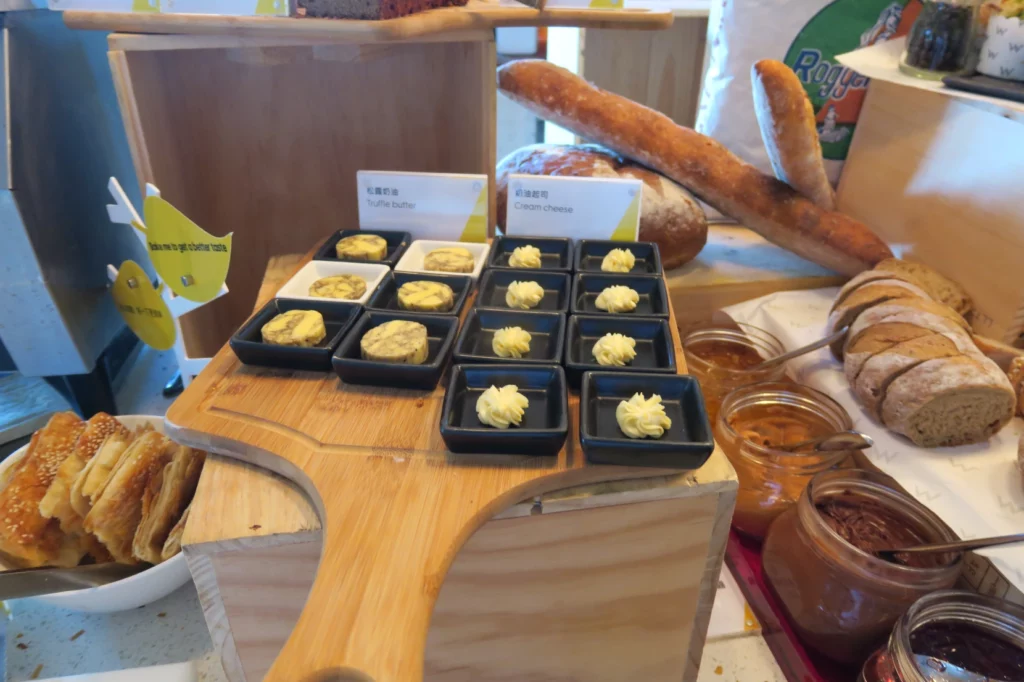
165 499
56 503
173 544
115 515
26 536
90 480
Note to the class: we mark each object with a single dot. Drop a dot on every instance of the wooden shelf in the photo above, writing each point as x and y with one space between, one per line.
477 15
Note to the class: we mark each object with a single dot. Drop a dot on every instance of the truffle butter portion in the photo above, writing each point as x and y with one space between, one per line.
618 260
397 341
617 299
527 256
511 342
348 287
502 407
295 328
642 418
614 350
449 259
426 296
523 295
362 247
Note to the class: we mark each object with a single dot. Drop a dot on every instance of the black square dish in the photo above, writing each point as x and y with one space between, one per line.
386 296
545 423
653 296
654 350
494 285
687 444
353 369
546 329
555 252
590 253
248 343
397 243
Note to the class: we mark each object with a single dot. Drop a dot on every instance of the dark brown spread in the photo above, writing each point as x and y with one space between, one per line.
971 648
726 354
870 527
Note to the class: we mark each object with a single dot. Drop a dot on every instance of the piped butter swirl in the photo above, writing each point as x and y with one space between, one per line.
642 418
527 256
617 299
618 260
614 350
511 342
502 407
523 295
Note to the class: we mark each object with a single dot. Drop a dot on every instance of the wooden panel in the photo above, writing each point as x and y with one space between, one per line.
738 265
477 14
942 177
662 70
603 594
265 142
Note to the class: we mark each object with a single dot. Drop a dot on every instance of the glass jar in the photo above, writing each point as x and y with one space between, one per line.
819 561
942 40
755 418
721 358
978 634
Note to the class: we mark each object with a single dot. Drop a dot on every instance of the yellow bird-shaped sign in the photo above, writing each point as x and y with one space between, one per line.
190 260
142 307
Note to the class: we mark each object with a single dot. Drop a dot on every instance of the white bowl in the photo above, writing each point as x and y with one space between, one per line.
129 593
298 285
412 261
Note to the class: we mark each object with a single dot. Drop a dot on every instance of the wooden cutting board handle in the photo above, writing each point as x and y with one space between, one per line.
386 553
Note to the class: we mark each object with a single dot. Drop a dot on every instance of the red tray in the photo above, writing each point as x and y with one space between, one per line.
797 663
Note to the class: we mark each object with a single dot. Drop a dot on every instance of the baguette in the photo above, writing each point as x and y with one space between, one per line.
790 131
702 165
949 401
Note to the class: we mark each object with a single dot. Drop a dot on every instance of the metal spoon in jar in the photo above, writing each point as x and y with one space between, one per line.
820 343
959 546
833 442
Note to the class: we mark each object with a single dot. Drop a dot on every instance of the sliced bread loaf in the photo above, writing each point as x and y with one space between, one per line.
880 370
866 277
939 287
949 401
867 296
884 326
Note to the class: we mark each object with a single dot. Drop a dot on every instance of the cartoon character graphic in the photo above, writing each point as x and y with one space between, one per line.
827 131
885 26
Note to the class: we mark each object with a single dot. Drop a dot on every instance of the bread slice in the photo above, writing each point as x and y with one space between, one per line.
164 500
90 480
939 287
949 401
1015 374
883 327
27 537
880 370
115 516
173 544
878 312
56 503
864 298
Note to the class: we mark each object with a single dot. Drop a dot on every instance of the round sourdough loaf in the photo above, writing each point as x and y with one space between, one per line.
669 215
949 401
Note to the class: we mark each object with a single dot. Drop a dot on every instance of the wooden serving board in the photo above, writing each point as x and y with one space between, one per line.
395 507
475 15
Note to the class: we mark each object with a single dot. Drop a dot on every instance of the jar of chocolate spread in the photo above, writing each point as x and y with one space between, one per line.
819 560
952 636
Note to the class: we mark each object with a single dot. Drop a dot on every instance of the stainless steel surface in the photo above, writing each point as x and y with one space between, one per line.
961 546
66 140
33 582
833 442
821 343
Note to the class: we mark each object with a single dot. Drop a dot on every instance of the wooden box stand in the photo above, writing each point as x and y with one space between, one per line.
558 571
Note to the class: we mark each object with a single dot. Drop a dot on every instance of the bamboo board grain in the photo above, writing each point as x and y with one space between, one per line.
394 505
476 15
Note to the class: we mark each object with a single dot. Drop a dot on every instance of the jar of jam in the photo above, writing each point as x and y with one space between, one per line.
952 635
753 423
721 359
942 40
820 561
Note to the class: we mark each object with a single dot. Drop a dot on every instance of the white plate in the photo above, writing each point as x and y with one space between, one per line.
298 285
412 261
132 592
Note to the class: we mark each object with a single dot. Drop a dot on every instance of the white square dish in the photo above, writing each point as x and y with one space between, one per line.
412 261
298 285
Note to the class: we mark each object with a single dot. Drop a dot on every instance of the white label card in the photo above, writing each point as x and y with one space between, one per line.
442 206
578 208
